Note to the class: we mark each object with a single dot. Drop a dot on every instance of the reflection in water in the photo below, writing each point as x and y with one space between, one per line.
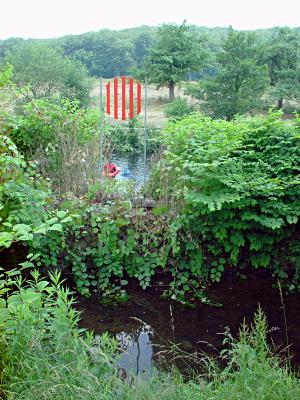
192 328
138 351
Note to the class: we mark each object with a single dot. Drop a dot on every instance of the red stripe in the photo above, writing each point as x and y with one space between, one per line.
131 98
108 98
116 98
123 98
139 98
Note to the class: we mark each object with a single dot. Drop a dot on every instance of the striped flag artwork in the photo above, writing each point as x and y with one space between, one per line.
127 106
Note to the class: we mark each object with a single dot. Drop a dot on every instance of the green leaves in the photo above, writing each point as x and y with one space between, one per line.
240 79
281 54
238 186
23 232
6 239
177 52
56 227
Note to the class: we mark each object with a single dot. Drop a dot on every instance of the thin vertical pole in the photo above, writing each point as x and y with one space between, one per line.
123 98
108 98
116 99
131 112
145 136
101 130
139 98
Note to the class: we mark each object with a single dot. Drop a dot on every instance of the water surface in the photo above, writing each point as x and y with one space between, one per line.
148 325
132 166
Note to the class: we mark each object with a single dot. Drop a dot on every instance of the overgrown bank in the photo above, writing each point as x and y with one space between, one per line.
228 199
228 195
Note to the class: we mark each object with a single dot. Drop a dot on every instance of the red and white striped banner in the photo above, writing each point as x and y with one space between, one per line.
124 111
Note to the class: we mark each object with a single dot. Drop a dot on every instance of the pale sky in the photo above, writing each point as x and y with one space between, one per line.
53 18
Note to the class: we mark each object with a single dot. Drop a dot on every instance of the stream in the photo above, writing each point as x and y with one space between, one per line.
147 326
132 167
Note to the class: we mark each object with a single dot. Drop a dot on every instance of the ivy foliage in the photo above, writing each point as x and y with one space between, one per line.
101 246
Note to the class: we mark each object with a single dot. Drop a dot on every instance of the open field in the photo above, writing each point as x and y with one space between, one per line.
157 99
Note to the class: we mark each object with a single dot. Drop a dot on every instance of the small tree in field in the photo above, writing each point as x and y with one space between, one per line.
239 82
282 55
177 52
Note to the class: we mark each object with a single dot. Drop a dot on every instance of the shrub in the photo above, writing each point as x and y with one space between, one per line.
67 149
25 200
104 244
178 108
238 187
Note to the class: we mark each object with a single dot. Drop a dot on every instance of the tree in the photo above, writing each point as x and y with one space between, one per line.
46 72
282 55
105 53
177 52
239 81
142 45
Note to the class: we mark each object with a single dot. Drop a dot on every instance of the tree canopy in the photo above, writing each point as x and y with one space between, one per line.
45 72
177 52
282 55
239 81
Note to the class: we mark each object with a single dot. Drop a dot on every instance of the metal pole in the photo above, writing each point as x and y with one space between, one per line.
101 131
145 137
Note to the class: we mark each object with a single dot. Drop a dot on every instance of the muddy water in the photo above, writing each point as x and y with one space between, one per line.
147 325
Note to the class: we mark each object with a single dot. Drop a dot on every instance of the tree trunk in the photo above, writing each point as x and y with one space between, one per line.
279 104
171 90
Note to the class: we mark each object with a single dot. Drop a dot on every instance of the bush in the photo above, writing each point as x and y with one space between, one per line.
104 244
25 200
238 187
178 108
67 151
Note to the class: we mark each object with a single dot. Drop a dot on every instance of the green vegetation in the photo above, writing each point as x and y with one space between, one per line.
226 190
66 151
178 108
231 196
233 70
281 54
42 71
25 200
239 81
43 354
230 202
176 53
237 184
